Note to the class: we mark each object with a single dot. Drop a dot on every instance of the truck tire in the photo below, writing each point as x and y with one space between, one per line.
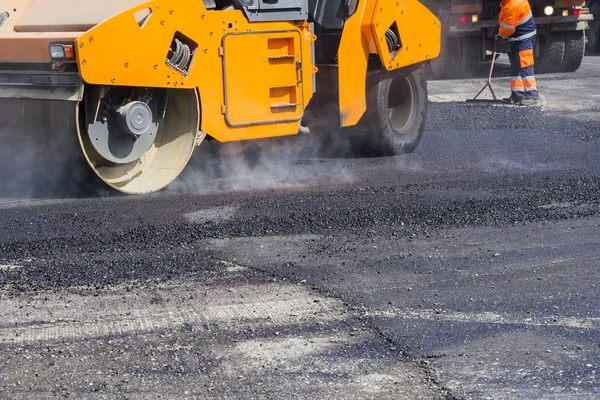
396 110
594 31
470 56
446 65
574 50
458 58
551 53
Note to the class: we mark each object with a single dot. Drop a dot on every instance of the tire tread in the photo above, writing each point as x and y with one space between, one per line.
574 51
552 48
382 140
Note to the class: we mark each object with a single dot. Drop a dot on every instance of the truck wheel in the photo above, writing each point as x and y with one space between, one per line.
551 53
446 65
594 31
396 110
574 50
470 56
458 58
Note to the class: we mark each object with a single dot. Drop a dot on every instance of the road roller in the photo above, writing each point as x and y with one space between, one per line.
138 85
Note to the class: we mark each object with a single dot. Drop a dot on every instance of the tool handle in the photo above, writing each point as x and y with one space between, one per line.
492 67
493 62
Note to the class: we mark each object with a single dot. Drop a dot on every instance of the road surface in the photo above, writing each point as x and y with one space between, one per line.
466 270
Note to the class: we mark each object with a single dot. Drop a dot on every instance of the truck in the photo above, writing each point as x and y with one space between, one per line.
469 28
140 84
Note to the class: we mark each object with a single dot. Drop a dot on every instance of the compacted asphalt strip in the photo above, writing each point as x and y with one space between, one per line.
466 270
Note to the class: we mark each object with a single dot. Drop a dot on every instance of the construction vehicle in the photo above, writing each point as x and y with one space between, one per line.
470 26
140 84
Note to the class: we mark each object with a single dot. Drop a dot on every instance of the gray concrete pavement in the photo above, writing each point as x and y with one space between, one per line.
573 95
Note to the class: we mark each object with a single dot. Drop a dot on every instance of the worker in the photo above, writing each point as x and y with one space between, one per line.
517 25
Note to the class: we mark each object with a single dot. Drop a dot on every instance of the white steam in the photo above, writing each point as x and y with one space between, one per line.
294 161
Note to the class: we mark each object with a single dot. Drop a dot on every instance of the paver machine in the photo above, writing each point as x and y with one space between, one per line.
140 84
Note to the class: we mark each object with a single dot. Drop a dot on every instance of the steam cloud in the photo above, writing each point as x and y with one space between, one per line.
40 158
264 164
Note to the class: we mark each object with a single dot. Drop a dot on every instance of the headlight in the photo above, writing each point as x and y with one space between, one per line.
57 51
61 51
548 10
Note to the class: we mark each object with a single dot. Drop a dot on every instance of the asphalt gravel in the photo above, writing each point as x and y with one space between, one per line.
474 258
444 117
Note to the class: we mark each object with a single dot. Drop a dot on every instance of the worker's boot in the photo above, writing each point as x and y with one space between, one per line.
529 101
513 99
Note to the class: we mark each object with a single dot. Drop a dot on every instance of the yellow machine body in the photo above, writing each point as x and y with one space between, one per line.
364 34
252 79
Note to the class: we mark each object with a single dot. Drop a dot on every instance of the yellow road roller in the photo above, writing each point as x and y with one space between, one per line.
141 84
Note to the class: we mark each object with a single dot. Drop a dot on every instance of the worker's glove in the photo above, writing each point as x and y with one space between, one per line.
498 37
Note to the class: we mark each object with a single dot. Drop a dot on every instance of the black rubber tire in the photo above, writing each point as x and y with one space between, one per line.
470 56
574 51
446 65
593 43
459 58
552 52
396 110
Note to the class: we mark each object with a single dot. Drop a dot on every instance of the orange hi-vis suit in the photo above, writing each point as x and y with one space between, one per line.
517 25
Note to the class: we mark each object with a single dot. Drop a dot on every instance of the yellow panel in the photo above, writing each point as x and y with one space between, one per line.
353 57
419 32
364 34
263 82
120 52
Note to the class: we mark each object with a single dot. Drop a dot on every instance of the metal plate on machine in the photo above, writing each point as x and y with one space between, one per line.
275 10
262 77
40 85
34 78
